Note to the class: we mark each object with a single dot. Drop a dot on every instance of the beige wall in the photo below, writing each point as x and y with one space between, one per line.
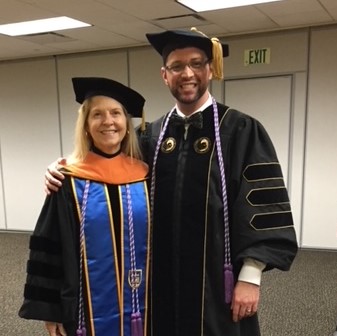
320 182
37 114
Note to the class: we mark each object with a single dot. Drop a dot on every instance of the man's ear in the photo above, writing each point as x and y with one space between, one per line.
163 74
211 72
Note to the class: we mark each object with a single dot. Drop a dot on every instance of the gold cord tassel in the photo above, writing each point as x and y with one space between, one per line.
217 61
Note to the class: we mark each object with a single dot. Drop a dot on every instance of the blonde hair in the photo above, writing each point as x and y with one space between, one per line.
83 141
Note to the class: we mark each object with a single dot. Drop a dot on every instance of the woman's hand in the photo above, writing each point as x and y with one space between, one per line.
53 177
55 329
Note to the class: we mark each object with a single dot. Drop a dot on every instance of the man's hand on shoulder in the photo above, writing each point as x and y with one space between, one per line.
53 176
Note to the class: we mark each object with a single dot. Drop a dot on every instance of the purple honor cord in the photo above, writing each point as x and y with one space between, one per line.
228 268
136 317
136 324
81 332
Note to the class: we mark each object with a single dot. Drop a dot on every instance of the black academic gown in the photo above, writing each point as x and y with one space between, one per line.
53 283
188 229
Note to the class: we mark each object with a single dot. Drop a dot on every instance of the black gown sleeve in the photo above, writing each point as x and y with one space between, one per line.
262 224
51 289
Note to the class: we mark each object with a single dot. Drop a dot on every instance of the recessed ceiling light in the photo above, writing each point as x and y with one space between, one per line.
208 5
41 26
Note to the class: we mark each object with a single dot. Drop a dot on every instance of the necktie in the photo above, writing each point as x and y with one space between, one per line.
194 120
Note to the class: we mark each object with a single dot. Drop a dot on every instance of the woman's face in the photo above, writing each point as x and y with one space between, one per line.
106 124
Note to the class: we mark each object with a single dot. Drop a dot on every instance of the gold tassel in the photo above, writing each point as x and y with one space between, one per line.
217 61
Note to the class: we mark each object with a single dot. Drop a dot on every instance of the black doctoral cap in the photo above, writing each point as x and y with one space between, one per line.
167 41
86 87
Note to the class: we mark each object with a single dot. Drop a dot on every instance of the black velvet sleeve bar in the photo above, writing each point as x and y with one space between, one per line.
50 292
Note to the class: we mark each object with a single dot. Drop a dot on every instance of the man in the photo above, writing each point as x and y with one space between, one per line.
221 212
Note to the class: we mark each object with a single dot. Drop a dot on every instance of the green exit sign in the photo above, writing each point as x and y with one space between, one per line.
257 56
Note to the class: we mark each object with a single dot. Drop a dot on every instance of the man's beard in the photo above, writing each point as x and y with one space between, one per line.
188 99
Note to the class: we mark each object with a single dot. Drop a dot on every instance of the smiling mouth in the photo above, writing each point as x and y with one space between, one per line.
188 86
109 132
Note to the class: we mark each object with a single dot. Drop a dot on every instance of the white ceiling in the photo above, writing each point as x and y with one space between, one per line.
123 23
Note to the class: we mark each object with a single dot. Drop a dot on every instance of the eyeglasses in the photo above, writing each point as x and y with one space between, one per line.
195 66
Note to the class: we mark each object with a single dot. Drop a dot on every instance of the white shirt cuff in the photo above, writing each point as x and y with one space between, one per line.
251 271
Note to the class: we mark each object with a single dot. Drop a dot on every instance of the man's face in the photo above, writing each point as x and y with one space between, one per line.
187 73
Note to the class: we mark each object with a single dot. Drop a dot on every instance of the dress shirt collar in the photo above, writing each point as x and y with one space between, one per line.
207 103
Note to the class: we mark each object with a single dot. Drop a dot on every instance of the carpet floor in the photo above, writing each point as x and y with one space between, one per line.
301 302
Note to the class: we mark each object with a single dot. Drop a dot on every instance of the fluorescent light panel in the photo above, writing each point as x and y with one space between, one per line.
41 26
207 5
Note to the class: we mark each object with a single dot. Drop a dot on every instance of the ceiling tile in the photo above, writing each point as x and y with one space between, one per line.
185 21
296 13
15 11
149 9
331 7
243 19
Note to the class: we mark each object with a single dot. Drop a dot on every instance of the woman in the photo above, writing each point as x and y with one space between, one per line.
89 264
